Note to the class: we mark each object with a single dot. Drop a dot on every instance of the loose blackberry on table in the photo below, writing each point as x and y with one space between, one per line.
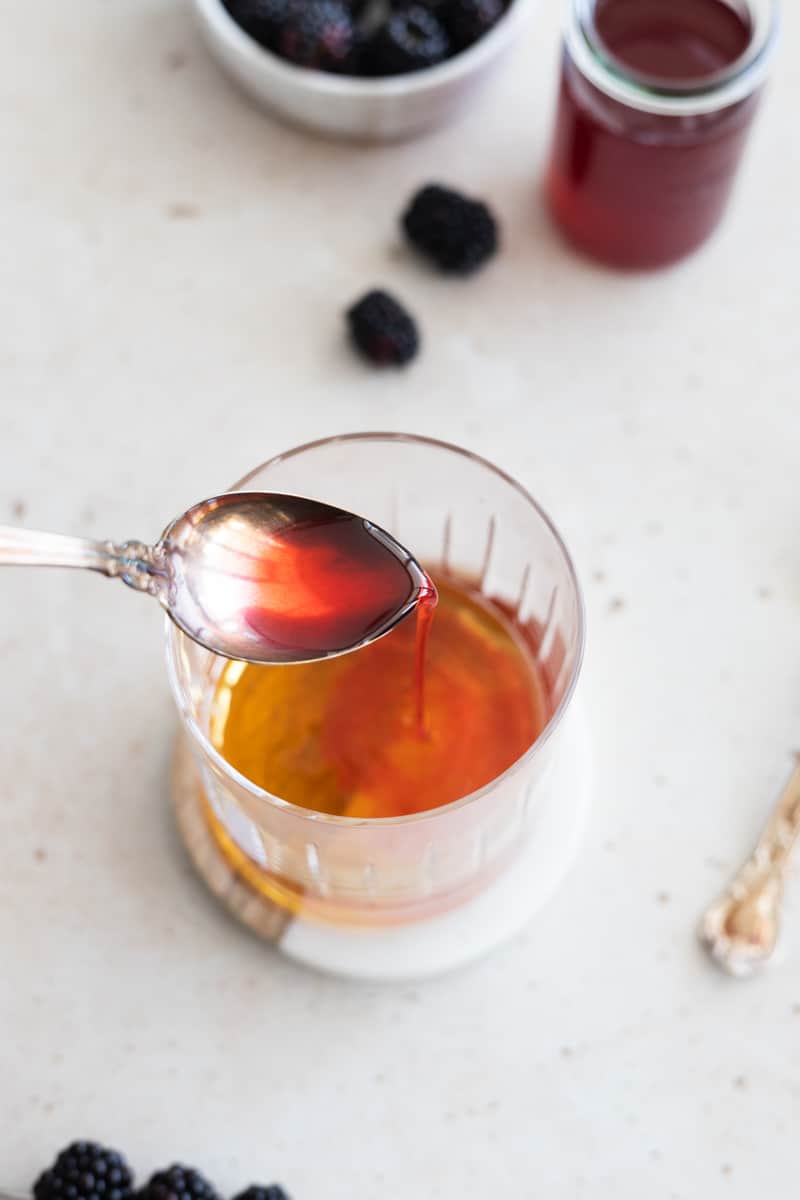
86 1171
457 233
178 1182
382 330
258 1191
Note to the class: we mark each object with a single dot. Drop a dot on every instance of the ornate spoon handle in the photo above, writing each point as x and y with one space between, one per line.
133 562
740 929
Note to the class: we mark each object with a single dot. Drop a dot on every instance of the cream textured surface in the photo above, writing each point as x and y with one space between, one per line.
173 270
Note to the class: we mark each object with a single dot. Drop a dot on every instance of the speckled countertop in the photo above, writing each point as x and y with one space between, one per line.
173 269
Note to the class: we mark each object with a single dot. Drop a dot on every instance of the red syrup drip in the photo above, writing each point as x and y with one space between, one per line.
426 608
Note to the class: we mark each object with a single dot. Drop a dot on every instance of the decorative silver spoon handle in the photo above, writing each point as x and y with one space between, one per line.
134 562
740 929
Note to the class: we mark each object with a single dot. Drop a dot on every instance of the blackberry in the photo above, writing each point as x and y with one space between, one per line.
257 1191
318 33
86 1171
262 19
468 20
361 9
459 234
178 1183
382 330
410 39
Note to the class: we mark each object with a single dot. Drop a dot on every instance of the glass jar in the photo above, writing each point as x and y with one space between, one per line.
643 160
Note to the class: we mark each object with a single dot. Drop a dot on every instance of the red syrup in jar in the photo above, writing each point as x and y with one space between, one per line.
636 188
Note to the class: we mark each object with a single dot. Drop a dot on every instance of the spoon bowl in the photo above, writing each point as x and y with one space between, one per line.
259 576
271 578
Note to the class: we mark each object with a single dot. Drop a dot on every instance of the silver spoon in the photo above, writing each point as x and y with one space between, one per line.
740 929
259 576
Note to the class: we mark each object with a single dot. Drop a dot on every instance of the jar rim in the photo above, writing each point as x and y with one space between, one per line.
733 83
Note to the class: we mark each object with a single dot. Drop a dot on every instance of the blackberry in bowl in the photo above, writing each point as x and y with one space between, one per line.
367 69
411 38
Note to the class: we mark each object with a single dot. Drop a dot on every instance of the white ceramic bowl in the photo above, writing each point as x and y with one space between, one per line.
346 106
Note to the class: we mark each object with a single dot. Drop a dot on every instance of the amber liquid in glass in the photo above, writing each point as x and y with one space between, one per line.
344 736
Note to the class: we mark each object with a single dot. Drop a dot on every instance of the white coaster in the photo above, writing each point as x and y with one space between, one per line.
455 938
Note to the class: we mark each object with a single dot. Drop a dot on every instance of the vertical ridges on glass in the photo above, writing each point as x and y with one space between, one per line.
491 532
548 629
369 880
522 596
562 677
447 538
315 868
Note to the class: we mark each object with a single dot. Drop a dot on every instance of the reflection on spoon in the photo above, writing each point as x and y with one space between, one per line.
258 576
